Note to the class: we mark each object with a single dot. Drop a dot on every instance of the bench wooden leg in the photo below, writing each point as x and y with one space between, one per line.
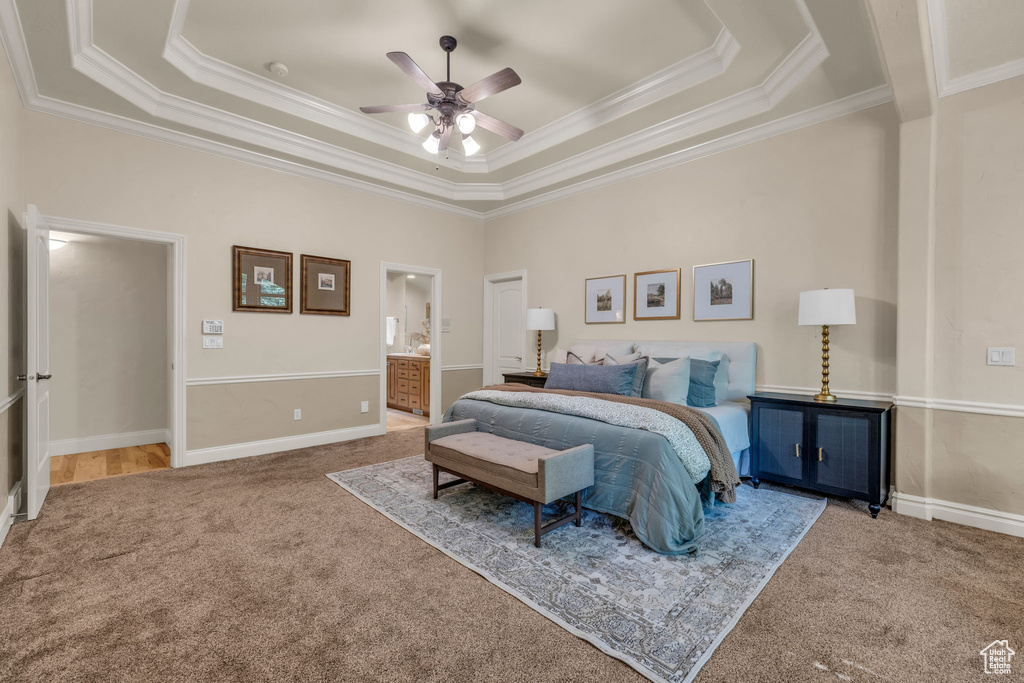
435 482
537 530
579 508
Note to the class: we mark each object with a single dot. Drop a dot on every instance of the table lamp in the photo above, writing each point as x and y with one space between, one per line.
539 319
827 307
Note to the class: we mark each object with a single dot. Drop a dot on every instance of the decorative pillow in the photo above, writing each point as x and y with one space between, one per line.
572 359
722 376
558 355
641 371
701 393
587 354
668 381
602 379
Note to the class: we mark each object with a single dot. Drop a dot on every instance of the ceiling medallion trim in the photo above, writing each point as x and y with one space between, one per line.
940 53
210 71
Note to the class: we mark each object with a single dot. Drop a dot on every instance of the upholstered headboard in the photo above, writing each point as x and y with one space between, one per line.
742 357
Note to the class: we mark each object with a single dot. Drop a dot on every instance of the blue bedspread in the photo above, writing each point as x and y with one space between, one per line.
637 474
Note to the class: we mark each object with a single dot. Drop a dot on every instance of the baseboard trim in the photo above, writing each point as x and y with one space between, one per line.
105 442
958 513
13 503
203 456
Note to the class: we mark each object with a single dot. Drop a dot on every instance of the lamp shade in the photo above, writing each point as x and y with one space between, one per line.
828 307
540 319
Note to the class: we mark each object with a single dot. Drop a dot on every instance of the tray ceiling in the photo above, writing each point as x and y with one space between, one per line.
610 90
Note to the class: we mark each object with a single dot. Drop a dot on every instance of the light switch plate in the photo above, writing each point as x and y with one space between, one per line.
1002 355
213 327
213 342
446 324
364 407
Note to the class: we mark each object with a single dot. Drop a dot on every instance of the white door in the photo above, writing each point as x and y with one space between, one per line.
507 332
37 389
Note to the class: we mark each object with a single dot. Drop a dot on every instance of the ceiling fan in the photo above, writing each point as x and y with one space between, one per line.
454 104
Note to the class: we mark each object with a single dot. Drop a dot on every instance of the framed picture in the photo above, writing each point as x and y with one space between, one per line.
724 291
261 280
326 285
656 295
606 299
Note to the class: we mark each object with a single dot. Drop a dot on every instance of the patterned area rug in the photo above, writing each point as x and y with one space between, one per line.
662 615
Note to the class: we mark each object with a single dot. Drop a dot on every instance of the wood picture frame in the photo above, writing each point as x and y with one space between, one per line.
723 291
656 294
605 300
261 280
326 286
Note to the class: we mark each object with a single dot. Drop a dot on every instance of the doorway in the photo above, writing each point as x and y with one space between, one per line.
410 346
504 325
39 375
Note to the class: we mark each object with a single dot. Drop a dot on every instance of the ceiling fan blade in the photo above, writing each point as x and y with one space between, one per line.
492 85
497 126
446 138
410 67
394 107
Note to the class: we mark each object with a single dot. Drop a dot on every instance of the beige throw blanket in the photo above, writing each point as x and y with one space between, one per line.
724 478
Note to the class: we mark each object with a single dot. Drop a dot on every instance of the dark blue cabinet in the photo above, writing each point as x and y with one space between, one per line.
840 448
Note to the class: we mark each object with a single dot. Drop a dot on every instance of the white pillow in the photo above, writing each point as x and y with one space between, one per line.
609 359
559 355
587 354
668 381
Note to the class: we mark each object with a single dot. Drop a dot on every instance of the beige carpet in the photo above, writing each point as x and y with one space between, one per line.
263 569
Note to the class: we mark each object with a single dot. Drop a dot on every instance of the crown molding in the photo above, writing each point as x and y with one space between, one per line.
940 52
216 73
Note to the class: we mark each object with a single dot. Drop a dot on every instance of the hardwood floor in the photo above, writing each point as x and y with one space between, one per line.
116 462
399 419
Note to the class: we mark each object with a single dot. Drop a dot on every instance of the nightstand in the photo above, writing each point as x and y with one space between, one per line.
526 378
840 448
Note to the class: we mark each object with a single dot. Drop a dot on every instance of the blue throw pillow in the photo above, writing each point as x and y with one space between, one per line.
601 379
702 383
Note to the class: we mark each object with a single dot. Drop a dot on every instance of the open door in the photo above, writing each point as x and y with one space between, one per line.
37 389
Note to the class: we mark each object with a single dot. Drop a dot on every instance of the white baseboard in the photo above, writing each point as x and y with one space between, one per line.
107 441
203 456
13 503
968 515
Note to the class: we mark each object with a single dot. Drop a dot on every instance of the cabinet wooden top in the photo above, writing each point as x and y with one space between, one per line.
414 359
804 399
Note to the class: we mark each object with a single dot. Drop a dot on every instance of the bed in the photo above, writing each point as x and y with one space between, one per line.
639 474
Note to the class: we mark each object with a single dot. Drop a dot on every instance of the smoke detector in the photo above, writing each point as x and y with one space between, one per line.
278 69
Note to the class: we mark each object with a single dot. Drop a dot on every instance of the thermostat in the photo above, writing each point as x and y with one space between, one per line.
213 327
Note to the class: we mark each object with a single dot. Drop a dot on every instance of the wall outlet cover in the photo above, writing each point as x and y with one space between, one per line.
364 407
298 413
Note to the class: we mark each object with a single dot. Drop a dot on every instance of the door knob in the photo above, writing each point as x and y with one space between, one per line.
41 377
22 378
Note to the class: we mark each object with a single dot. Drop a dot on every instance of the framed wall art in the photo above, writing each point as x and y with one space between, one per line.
656 295
724 291
606 300
262 280
326 286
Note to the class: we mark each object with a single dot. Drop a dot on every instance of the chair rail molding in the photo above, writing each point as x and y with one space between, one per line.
11 400
282 377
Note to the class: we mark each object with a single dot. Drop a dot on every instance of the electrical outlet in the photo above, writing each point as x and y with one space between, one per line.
364 407
213 342
298 413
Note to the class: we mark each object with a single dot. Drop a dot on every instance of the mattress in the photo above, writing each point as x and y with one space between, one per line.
733 421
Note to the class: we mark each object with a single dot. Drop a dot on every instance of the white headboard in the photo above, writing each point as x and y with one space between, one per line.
742 357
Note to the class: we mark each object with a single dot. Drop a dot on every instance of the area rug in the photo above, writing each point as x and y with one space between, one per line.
662 615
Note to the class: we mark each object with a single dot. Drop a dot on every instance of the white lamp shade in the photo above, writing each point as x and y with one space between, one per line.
540 319
828 307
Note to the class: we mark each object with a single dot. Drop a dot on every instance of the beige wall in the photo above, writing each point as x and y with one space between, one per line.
12 204
90 173
456 383
108 337
814 208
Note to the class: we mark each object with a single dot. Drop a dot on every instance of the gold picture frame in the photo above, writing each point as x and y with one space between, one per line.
261 280
737 302
604 300
665 296
326 286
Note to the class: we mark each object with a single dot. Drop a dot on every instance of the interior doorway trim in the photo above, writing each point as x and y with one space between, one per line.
177 245
489 282
435 338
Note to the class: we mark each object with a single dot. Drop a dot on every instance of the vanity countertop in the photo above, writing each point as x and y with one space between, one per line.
409 355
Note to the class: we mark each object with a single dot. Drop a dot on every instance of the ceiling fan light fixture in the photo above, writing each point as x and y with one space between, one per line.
432 143
418 121
470 146
466 123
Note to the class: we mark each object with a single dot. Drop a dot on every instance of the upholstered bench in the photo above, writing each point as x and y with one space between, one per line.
524 471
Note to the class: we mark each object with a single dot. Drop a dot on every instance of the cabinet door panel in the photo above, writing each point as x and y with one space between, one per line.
842 461
780 442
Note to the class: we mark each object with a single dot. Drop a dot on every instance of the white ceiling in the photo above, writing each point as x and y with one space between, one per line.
610 90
